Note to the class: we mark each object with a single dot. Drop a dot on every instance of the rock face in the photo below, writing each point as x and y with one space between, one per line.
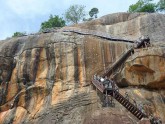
130 25
46 78
141 68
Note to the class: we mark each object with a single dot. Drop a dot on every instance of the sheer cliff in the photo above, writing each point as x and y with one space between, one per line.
46 77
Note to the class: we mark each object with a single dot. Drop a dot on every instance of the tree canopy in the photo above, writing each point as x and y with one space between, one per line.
161 5
93 12
143 6
147 6
19 34
54 21
75 13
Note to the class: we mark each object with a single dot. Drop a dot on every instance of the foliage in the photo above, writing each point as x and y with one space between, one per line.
161 5
93 12
75 13
54 21
19 34
143 6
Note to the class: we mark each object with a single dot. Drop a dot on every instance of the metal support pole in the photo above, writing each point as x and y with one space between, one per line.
106 99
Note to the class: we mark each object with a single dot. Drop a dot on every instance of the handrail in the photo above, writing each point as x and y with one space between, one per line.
121 99
142 43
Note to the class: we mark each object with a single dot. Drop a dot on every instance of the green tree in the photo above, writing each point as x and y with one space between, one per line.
19 34
161 5
75 13
143 6
93 12
54 21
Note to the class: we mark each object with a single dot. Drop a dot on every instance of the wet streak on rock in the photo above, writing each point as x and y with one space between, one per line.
66 57
16 101
63 62
107 53
8 67
26 71
4 93
70 61
19 70
26 67
113 52
48 59
15 48
51 62
81 65
83 61
19 47
35 64
57 61
76 65
53 54
28 96
60 62
102 55
10 70
110 51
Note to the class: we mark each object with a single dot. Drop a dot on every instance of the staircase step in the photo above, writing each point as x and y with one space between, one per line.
121 101
139 114
134 112
124 102
120 98
127 105
132 108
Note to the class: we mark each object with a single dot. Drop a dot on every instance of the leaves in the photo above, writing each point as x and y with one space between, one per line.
161 5
143 6
75 13
19 34
54 21
93 12
147 6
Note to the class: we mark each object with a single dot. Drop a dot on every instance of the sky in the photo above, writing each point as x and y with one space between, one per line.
27 15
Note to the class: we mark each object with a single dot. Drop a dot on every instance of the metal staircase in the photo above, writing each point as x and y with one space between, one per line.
143 42
121 99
